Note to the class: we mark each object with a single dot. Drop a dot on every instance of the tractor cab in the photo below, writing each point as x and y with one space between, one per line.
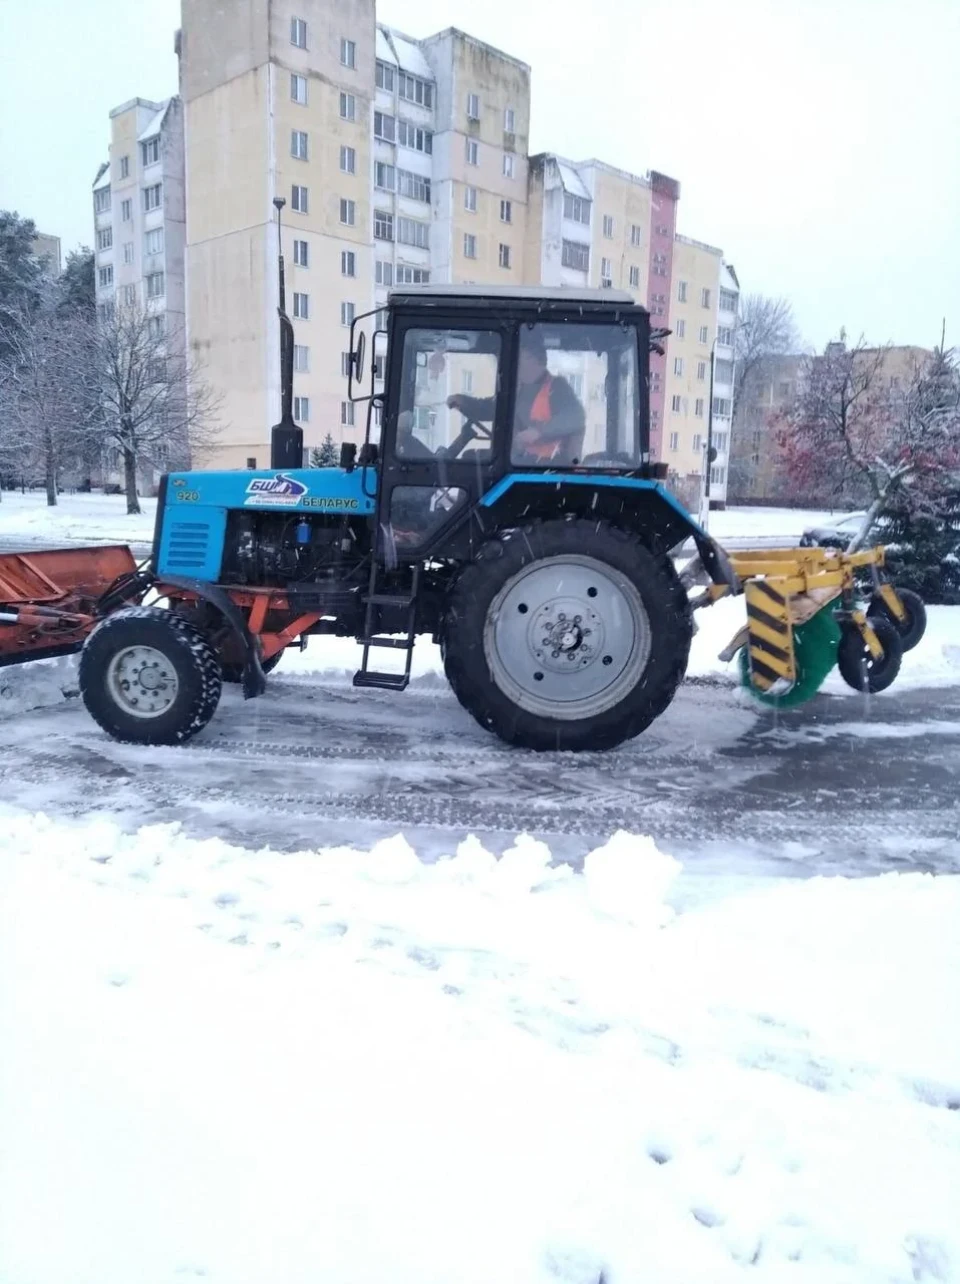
484 388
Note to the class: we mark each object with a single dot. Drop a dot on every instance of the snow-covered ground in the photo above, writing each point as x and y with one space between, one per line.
346 1065
786 524
75 519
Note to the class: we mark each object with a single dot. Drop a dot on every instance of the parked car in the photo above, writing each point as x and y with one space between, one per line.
839 534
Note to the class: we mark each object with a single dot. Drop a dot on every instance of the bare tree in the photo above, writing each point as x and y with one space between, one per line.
765 334
156 407
43 421
857 432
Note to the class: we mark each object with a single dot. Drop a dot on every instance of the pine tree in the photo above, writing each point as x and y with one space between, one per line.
325 455
924 550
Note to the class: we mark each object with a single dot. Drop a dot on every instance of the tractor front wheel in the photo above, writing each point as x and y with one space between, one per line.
149 676
566 635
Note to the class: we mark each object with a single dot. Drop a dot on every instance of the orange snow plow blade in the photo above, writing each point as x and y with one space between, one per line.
48 599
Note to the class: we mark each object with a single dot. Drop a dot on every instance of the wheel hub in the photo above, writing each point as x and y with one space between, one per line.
142 681
567 637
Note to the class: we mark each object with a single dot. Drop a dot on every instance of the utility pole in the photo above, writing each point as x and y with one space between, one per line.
709 455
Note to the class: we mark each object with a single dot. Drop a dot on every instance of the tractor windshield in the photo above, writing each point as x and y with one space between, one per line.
449 380
576 397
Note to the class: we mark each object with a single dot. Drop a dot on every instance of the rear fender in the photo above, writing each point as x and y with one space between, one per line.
644 506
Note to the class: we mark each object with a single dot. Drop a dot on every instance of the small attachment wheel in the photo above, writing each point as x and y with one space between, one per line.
862 670
149 676
914 624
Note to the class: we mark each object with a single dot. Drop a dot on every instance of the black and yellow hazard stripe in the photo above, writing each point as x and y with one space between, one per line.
770 640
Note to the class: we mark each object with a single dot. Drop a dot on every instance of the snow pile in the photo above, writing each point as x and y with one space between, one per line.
33 686
351 1066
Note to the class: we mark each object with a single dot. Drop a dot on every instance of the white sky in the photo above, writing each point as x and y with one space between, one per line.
816 141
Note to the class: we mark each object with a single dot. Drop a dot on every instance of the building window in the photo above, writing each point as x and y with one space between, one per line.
470 199
411 231
721 406
635 234
728 301
382 225
346 413
348 212
298 88
576 208
606 273
469 245
153 197
383 272
385 126
347 312
717 475
348 53
701 370
698 408
384 176
784 389
508 166
506 211
299 199
473 151
106 311
681 329
473 107
414 186
663 229
705 297
155 285
346 364
509 121
412 136
128 249
155 327
348 160
675 404
126 210
608 225
348 107
301 305
124 166
105 276
408 275
348 263
681 291
152 242
678 365
384 76
634 278
720 441
575 254
149 152
675 436
301 357
415 90
298 33
105 238
301 254
101 200
725 335
704 334
301 409
504 255
298 144
723 371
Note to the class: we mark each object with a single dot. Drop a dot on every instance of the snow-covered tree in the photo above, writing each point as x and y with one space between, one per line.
325 455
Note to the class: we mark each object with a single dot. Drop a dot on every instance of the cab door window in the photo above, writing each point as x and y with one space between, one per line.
449 385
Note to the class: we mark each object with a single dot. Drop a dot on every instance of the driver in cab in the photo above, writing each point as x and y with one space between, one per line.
549 421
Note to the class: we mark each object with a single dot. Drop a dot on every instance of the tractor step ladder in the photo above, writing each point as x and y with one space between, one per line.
365 677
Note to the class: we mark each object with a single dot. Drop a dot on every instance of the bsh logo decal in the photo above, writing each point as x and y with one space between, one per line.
281 489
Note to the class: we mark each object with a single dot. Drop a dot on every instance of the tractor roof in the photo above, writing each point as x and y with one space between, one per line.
526 296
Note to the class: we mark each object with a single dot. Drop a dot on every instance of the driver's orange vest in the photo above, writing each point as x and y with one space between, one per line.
541 413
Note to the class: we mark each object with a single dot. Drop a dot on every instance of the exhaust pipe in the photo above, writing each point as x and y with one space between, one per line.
286 438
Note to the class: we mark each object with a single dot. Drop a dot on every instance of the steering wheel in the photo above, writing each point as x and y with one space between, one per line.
469 432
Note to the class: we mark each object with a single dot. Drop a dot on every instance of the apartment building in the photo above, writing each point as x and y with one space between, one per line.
46 247
400 162
139 220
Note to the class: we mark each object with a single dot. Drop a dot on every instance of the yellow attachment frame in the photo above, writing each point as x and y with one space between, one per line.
784 587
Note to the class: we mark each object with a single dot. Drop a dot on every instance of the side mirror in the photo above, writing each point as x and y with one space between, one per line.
359 355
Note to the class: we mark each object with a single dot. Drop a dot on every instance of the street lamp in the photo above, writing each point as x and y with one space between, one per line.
709 454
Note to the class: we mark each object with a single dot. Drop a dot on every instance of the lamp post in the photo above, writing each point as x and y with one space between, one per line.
709 453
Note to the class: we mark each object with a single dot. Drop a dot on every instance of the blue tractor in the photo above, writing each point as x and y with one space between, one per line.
503 502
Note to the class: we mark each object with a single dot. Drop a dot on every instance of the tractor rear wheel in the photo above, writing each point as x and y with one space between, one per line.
149 676
566 635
